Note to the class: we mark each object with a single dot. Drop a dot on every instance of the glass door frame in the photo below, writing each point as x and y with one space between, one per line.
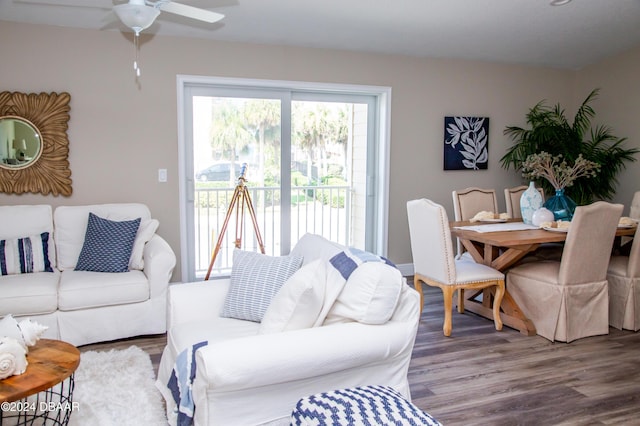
377 167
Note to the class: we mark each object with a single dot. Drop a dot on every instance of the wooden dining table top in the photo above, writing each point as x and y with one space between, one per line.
482 245
506 238
517 237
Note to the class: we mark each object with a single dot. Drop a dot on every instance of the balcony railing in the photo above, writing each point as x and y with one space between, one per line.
322 210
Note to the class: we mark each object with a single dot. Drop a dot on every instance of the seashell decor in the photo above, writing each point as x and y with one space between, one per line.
31 331
13 357
9 328
26 332
15 339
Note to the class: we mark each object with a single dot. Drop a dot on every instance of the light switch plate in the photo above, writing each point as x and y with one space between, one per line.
162 175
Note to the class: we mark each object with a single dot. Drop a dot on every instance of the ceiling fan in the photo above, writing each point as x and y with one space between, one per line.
140 14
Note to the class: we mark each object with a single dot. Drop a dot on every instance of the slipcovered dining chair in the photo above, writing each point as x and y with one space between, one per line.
468 202
568 300
634 210
623 276
634 213
512 200
434 263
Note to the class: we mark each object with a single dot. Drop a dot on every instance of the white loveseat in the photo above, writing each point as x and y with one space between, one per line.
251 373
83 307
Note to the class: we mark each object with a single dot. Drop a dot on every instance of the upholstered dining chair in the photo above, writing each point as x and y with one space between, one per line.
634 210
568 300
634 213
512 199
434 263
468 202
623 276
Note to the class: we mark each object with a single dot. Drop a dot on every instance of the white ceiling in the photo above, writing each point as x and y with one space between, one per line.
530 32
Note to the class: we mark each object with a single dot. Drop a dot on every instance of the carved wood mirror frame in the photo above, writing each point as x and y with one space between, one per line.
49 113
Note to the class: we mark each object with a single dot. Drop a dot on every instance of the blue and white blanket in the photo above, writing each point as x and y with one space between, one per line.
181 381
348 260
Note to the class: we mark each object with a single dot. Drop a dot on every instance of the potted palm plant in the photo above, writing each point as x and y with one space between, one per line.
551 132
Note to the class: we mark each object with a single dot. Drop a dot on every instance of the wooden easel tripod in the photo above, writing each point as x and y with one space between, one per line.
242 196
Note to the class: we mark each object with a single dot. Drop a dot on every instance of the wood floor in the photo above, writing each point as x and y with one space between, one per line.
480 376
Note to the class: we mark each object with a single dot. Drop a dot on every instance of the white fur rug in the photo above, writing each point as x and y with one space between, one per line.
117 388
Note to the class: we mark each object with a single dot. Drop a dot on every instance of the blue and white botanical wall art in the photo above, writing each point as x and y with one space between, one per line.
466 143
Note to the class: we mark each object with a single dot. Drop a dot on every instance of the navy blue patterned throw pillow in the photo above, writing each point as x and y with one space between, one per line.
107 245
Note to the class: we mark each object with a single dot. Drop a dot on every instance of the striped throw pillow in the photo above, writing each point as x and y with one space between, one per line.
255 279
25 255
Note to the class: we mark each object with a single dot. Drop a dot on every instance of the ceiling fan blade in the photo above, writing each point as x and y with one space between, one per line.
101 4
190 11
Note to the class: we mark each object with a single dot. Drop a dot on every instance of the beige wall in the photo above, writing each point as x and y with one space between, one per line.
121 133
618 106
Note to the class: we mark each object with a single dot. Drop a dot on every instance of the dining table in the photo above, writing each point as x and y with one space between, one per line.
501 245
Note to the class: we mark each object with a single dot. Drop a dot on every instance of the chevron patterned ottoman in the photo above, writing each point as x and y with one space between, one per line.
366 406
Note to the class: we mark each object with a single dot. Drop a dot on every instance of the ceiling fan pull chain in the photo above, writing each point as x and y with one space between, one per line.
140 14
136 47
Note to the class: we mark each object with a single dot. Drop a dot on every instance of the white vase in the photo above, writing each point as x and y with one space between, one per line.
530 201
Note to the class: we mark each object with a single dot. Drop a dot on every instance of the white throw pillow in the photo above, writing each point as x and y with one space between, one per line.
298 302
147 229
71 225
311 247
255 279
369 296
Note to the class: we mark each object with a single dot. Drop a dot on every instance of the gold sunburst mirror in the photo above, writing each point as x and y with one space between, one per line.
34 147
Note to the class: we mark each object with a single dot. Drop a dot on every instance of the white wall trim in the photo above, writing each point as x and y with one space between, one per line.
384 117
406 269
182 191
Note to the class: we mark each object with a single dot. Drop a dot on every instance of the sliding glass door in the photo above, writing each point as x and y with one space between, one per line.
310 156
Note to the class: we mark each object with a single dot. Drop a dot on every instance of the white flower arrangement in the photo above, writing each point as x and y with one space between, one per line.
556 170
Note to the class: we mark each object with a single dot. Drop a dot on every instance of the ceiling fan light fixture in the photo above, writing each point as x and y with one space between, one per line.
136 17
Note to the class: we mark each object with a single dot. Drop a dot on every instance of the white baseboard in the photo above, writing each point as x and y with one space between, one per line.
406 269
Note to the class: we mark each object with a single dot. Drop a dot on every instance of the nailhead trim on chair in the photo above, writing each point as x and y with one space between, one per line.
445 224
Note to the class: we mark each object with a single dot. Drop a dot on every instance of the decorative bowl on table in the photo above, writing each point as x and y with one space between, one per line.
541 215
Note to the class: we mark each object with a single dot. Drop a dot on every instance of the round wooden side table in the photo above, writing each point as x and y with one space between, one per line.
44 392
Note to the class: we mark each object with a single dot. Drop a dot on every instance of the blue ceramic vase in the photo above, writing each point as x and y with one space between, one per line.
562 206
530 201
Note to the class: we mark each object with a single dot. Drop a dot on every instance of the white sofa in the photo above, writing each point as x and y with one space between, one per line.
247 375
83 307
